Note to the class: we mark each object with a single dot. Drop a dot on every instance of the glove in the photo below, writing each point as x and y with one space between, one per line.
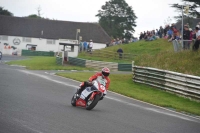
88 83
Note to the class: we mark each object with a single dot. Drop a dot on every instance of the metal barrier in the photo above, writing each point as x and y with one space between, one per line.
36 53
177 44
181 84
99 64
112 55
59 60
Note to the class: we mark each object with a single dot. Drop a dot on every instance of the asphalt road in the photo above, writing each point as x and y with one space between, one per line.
39 102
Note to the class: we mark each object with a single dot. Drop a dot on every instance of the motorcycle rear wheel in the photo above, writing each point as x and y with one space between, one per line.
93 102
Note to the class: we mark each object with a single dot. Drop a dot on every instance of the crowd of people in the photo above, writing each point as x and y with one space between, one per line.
121 41
86 46
191 35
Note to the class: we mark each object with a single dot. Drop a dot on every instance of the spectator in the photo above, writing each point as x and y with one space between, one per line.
191 36
120 52
90 46
85 46
175 32
186 37
197 41
117 41
173 26
161 31
141 36
166 29
107 44
170 33
157 32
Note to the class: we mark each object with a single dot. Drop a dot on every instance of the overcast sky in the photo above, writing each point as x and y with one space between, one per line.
151 13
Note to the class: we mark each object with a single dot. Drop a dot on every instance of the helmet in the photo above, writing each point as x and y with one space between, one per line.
105 71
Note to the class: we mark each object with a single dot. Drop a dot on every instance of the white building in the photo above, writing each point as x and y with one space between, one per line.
46 35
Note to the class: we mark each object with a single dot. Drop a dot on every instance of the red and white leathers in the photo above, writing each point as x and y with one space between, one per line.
99 76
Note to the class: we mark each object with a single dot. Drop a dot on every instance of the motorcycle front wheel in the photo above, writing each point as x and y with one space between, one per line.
73 101
92 103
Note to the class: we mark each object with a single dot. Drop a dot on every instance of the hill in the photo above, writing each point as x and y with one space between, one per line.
157 54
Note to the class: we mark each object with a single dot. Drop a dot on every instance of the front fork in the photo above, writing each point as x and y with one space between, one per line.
95 93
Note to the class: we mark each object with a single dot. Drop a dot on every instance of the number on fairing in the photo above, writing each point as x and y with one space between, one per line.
102 87
102 82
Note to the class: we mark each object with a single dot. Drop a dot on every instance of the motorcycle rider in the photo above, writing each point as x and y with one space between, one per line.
103 75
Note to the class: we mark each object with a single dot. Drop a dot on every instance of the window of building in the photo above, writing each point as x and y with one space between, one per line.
26 39
50 41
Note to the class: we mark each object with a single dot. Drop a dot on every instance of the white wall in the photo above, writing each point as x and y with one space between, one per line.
98 45
42 45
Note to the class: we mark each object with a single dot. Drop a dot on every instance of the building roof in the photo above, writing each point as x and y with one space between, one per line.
52 29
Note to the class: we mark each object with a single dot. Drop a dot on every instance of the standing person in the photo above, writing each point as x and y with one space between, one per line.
85 46
161 31
141 36
175 32
197 41
191 36
157 32
90 45
186 37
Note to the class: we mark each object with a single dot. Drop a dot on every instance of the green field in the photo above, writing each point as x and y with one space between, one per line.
45 63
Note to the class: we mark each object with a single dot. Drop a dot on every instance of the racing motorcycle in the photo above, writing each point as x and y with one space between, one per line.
90 96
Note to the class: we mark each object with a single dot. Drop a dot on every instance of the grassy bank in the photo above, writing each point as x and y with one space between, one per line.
45 63
157 54
123 84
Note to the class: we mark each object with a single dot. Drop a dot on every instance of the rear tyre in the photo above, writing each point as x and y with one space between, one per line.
92 103
73 101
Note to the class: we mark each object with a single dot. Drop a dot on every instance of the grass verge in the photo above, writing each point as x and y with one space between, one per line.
45 63
123 84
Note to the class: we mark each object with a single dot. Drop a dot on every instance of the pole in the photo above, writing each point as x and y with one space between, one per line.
182 28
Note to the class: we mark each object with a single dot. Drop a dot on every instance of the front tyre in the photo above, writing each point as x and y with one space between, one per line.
73 101
92 103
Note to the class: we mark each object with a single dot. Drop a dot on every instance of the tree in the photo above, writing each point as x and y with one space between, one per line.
193 9
5 12
38 15
33 16
117 18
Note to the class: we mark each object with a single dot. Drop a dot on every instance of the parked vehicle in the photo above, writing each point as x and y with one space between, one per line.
90 95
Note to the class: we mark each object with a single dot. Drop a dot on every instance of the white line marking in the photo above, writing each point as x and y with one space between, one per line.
17 65
135 105
151 109
48 78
